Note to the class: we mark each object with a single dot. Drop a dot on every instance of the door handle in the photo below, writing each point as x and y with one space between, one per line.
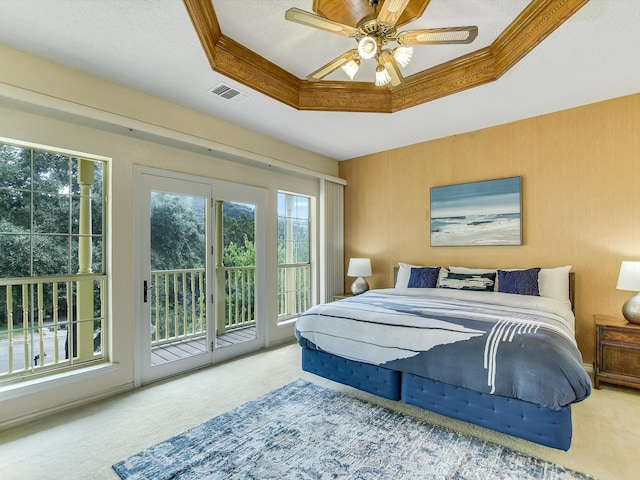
145 289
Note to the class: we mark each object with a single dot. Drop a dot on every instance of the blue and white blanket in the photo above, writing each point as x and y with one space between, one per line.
511 345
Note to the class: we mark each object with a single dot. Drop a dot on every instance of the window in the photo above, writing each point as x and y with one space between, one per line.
294 265
52 267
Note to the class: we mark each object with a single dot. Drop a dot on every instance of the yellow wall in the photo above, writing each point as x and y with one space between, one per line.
580 172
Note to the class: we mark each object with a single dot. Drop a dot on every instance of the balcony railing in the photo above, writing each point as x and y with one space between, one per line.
38 333
179 304
50 323
240 299
178 310
294 290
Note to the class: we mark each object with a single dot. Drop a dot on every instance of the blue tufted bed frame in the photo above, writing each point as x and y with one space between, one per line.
541 425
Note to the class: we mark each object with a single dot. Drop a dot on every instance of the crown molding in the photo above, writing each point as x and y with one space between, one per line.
231 59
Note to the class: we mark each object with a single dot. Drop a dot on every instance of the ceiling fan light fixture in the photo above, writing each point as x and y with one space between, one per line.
387 61
367 47
373 33
382 76
351 68
403 55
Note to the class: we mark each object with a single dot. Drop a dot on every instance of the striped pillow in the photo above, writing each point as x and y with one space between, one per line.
469 281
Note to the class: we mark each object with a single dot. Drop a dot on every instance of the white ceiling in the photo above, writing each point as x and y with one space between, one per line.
151 46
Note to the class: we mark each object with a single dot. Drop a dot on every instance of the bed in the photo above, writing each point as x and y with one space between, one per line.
495 348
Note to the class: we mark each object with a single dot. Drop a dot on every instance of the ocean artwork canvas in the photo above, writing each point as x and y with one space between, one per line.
477 213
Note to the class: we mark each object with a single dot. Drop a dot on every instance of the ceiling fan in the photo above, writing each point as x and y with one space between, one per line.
373 33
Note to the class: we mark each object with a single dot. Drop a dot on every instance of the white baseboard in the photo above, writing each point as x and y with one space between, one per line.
21 420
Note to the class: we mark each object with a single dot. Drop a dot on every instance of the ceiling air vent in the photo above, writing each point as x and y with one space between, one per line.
228 93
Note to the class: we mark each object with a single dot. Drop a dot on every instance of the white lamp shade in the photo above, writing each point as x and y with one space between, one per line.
629 278
359 267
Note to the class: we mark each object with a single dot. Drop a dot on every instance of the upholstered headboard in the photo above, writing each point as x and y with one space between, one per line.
572 286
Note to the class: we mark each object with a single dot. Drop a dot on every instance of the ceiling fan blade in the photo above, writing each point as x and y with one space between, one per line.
438 36
391 11
316 21
333 65
390 65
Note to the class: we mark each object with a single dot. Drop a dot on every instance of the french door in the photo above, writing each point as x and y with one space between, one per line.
200 272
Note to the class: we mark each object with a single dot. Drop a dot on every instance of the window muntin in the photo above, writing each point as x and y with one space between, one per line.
52 271
294 255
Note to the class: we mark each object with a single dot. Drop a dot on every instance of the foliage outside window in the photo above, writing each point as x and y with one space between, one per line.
52 267
238 265
178 255
294 259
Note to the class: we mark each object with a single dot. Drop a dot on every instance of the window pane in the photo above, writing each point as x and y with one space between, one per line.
293 229
177 226
96 186
239 234
14 211
96 216
51 255
50 213
98 256
50 172
16 167
14 262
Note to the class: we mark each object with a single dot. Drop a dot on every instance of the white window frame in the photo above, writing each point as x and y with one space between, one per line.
37 376
311 297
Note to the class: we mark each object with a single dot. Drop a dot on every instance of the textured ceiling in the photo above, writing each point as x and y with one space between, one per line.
151 46
301 50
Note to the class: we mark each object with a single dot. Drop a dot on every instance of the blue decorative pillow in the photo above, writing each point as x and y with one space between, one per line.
521 282
423 277
469 281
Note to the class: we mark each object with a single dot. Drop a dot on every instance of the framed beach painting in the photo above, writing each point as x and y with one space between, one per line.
477 213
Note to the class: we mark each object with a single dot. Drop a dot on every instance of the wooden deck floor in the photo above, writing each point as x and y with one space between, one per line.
234 337
178 350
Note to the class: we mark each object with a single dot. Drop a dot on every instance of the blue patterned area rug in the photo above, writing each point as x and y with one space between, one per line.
305 431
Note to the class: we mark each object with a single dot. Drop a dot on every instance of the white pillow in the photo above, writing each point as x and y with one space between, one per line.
554 283
404 274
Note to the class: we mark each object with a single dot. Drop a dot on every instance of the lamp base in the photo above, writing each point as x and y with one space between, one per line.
360 285
631 309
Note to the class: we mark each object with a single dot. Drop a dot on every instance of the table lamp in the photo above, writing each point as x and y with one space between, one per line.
629 279
359 267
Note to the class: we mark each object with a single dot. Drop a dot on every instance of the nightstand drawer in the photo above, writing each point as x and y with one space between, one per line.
623 336
620 360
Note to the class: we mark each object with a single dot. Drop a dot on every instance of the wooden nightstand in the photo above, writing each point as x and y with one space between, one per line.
341 296
617 352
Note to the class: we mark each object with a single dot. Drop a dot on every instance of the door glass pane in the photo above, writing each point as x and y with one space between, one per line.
177 291
235 270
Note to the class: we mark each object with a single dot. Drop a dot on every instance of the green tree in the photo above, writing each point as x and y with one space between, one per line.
177 233
240 255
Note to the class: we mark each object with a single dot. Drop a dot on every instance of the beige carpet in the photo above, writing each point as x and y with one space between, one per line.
84 443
